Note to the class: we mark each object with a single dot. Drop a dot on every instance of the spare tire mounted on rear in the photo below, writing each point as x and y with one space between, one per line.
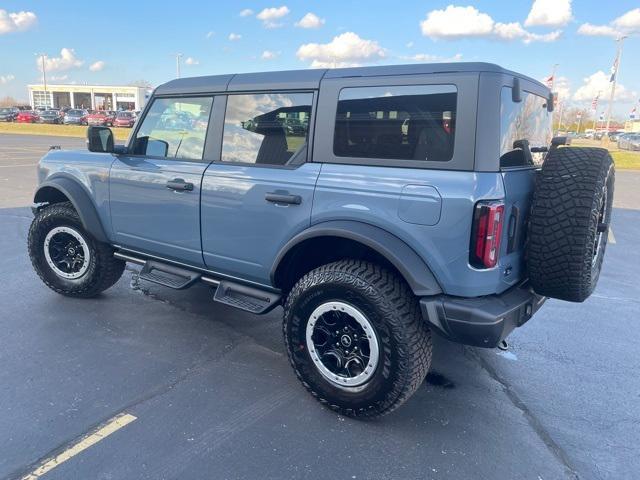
569 224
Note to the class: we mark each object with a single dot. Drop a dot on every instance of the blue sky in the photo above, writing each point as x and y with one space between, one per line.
118 42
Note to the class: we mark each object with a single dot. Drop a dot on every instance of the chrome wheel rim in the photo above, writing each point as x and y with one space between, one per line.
67 252
342 344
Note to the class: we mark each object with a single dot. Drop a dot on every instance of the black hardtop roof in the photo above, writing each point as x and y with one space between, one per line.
311 78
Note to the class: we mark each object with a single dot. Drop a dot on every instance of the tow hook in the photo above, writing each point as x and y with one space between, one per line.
503 345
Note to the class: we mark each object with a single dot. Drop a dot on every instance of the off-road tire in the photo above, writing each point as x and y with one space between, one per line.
570 215
104 270
403 336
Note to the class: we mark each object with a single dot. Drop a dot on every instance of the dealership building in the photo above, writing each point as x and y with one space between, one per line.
94 97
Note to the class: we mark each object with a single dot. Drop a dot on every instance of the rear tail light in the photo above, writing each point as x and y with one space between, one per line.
486 234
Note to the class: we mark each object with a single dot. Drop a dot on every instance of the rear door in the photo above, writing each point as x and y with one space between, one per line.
155 189
525 134
258 192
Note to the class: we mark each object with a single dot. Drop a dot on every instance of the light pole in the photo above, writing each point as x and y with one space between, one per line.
178 57
43 56
614 79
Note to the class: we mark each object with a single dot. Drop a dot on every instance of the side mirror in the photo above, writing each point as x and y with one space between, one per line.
551 102
100 139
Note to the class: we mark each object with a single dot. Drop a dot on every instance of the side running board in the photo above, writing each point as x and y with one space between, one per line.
168 275
246 298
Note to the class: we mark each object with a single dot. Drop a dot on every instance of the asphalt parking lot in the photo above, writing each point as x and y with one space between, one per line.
210 393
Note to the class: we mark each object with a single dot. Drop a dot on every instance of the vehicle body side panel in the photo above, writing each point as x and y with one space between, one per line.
87 169
371 195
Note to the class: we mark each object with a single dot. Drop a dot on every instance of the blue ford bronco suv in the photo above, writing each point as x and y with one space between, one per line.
377 205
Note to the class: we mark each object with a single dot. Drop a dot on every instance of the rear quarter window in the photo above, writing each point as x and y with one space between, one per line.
396 122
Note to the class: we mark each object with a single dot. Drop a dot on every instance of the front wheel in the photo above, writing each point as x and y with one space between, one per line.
66 257
356 339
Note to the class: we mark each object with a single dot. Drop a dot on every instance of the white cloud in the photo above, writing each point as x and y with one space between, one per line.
66 61
191 61
209 34
97 66
269 55
409 45
17 21
347 49
515 31
549 13
247 12
269 16
626 24
598 30
629 22
59 78
310 20
599 82
430 58
455 22
234 36
4 79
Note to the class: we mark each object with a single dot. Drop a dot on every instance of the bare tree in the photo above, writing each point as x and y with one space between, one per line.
8 101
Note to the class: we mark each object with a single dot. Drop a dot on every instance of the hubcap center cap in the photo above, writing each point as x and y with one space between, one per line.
345 340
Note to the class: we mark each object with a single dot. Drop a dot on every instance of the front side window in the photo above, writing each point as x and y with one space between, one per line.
174 128
523 126
269 129
396 122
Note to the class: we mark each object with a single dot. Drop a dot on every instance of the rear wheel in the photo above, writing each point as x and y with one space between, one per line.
66 257
570 219
356 338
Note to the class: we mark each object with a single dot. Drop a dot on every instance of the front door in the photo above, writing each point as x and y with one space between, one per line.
260 192
155 188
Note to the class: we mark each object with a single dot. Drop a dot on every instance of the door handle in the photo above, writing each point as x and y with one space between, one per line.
283 198
179 184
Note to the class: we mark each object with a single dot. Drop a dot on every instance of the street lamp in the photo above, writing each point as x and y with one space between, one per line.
178 57
43 56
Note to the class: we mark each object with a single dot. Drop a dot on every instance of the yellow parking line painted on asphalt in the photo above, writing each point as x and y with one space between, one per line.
113 425
611 238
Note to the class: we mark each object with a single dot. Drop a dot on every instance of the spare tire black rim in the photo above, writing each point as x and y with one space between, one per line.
342 343
602 228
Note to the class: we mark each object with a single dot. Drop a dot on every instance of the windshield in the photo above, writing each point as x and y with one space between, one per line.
528 120
124 115
5 110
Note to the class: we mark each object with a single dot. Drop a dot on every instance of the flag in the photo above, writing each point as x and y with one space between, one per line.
594 102
549 81
614 70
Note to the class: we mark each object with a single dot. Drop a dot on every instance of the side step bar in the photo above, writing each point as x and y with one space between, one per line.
246 298
168 275
243 297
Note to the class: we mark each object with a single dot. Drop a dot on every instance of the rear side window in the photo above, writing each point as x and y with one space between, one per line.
528 120
267 129
396 122
174 128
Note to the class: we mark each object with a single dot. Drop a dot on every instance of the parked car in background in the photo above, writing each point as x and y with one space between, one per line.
75 117
50 116
629 141
8 114
27 116
101 118
124 119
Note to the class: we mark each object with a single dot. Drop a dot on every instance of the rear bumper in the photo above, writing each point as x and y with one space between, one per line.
483 321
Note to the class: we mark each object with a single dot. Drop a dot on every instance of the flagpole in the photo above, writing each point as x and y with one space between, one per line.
614 80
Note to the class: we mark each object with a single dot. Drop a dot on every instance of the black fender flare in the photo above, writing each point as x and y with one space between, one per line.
81 201
410 265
